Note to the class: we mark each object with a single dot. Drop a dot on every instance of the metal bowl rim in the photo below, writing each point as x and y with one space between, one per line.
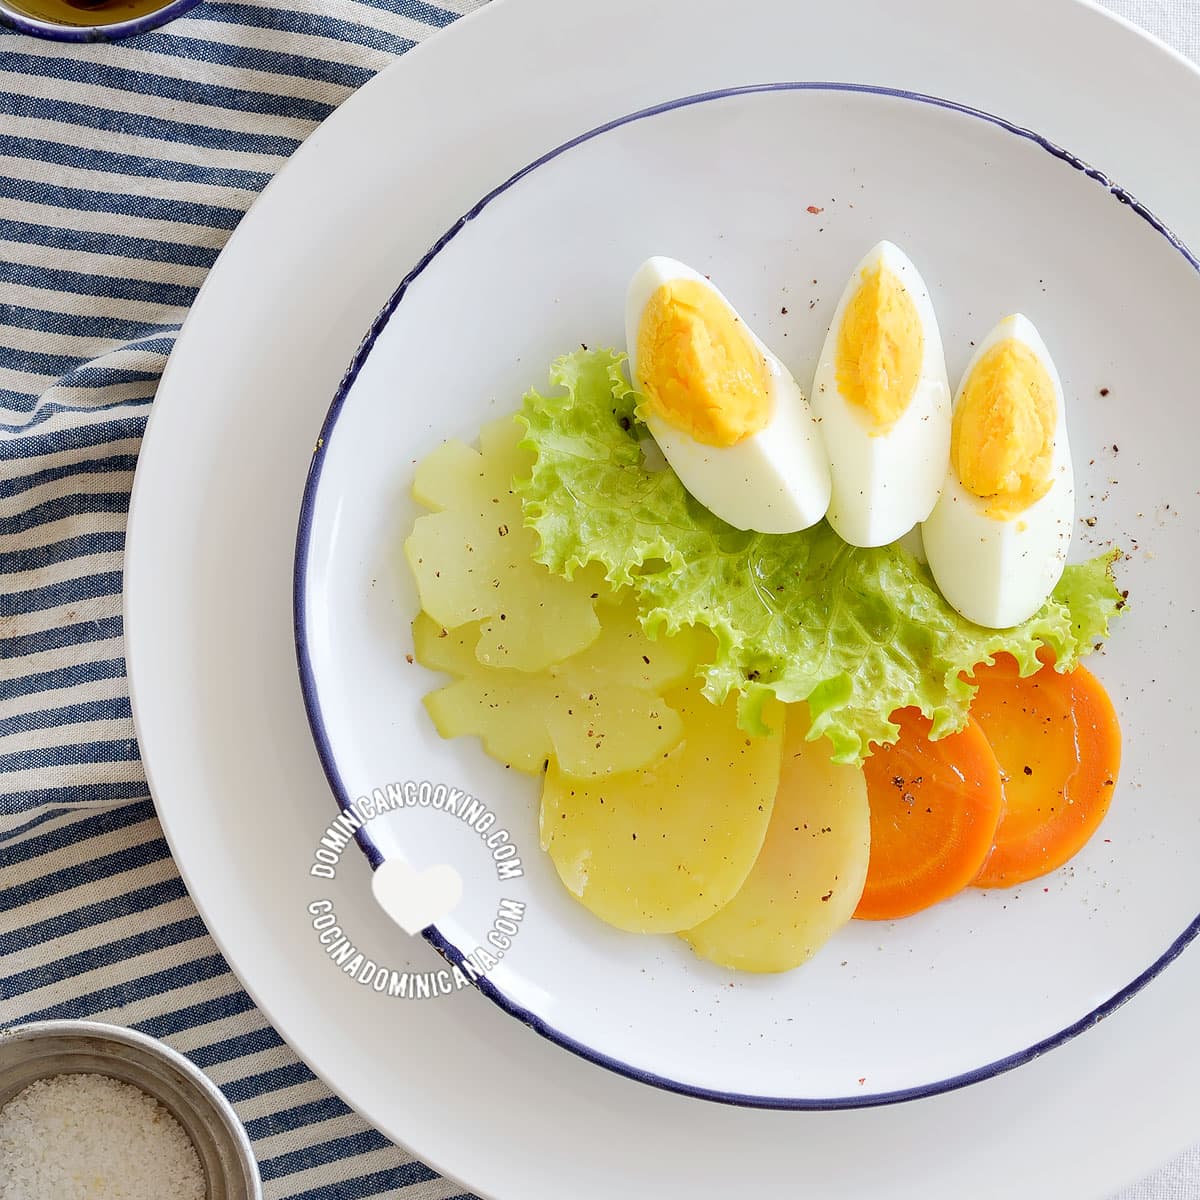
32 1031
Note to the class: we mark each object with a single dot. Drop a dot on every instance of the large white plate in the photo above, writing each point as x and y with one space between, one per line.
208 599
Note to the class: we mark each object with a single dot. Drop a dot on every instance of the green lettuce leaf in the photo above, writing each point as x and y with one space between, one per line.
856 633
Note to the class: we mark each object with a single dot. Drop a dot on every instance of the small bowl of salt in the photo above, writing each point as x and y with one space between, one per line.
90 1110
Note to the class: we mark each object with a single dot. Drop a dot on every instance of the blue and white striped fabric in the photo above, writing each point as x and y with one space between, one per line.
123 170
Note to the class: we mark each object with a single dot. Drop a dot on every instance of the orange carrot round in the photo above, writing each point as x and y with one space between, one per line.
1058 743
934 811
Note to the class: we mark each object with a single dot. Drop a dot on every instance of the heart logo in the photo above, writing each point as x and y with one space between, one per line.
416 899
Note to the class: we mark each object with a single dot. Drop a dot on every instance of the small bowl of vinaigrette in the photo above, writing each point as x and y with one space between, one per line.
84 21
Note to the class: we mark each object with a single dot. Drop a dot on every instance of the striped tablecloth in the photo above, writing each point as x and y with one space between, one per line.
123 170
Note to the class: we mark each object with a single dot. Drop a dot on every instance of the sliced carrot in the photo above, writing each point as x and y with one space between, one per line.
934 811
1058 743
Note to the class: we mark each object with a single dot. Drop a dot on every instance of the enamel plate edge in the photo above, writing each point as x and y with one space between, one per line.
310 691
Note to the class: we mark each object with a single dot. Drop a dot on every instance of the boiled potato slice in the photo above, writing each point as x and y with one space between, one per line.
604 729
624 654
531 719
442 649
473 557
810 872
597 713
664 848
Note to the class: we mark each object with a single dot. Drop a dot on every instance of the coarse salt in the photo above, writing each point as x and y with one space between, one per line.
89 1137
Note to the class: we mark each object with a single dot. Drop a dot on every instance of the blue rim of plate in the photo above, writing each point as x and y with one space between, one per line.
116 31
446 948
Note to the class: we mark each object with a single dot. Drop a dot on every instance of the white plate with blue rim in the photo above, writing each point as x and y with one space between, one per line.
776 189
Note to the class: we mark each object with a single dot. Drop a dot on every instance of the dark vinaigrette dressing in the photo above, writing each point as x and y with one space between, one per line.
79 12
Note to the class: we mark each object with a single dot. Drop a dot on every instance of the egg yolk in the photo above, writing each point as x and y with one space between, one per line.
1002 435
880 349
699 368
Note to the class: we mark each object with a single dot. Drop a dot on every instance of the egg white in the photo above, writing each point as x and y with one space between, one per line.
774 481
884 483
998 573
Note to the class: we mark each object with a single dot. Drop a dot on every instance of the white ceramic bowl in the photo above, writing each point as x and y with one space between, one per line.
998 220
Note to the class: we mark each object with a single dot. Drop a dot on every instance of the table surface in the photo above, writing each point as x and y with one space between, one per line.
123 170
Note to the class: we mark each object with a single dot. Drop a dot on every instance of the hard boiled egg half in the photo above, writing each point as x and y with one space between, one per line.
883 400
727 415
997 540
